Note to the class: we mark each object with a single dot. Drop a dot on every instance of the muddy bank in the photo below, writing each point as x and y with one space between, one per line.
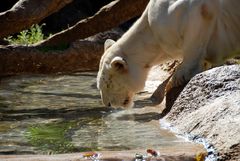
209 107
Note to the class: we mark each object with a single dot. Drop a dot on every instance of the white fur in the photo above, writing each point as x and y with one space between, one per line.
196 31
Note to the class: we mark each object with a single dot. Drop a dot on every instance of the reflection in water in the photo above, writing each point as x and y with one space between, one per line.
59 114
51 137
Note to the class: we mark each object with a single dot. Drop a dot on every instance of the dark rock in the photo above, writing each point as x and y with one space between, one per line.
6 5
113 34
71 14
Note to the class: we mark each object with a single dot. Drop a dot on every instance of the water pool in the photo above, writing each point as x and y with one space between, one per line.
63 114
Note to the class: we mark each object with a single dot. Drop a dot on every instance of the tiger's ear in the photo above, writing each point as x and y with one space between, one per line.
119 64
108 43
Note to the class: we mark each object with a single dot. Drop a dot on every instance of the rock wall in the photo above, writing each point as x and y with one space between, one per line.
209 107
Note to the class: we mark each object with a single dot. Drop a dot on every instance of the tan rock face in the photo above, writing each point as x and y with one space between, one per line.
209 107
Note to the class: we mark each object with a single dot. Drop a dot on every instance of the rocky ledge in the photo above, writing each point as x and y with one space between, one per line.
209 107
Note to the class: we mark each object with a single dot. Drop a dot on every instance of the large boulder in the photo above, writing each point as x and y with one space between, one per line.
209 107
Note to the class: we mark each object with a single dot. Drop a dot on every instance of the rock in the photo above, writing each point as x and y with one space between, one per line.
71 14
6 5
209 107
101 37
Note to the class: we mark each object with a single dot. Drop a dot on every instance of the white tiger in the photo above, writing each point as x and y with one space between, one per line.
197 31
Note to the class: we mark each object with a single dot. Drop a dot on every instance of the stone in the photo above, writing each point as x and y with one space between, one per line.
209 107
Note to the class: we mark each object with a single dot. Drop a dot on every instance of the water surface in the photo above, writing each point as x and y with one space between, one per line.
64 114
